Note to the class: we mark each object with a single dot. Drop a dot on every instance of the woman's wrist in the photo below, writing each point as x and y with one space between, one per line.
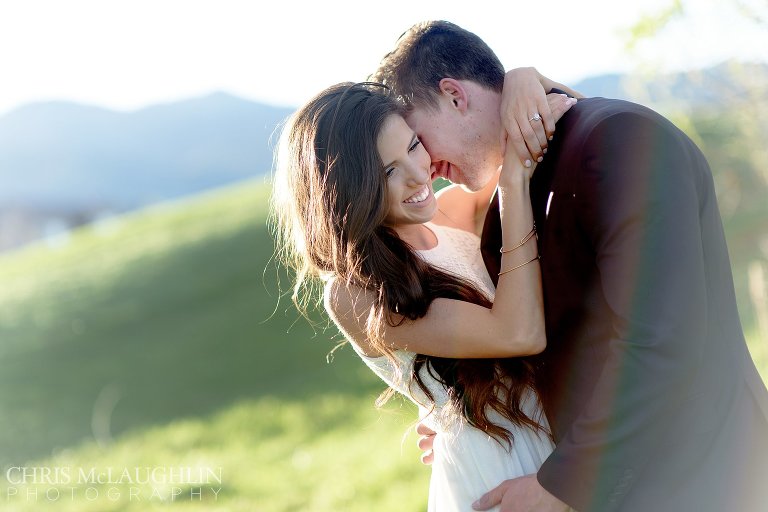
545 82
514 174
517 182
514 199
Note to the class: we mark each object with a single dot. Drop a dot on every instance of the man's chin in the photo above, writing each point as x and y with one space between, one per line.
466 187
473 186
441 182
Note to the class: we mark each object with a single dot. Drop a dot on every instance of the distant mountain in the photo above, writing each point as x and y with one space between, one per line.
64 164
712 87
64 154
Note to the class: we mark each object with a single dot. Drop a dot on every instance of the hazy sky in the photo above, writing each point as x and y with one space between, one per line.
126 54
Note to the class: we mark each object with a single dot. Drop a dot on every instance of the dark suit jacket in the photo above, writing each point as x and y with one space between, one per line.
653 399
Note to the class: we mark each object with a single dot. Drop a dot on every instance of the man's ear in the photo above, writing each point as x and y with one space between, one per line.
454 91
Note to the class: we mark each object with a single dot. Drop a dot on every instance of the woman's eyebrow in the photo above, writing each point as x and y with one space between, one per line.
413 138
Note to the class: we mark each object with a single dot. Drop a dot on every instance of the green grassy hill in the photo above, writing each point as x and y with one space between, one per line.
156 341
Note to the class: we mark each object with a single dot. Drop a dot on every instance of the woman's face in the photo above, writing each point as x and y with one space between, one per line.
407 167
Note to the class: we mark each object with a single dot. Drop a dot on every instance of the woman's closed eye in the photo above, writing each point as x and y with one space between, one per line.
415 144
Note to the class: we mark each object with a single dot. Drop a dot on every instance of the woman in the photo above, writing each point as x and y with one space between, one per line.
405 282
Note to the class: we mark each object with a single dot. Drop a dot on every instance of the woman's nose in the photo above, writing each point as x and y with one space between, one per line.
418 175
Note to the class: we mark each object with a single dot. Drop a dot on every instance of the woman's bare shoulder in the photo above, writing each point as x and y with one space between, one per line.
337 297
348 306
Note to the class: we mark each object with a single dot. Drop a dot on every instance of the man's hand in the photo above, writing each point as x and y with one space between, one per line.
425 443
522 494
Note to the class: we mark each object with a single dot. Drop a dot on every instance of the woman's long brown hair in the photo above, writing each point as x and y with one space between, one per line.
329 205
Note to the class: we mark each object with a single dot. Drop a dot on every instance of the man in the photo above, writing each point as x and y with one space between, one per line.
653 399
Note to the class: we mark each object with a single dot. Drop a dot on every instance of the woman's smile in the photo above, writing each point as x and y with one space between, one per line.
420 196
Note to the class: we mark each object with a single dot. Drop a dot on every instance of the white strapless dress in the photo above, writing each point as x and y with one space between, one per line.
467 462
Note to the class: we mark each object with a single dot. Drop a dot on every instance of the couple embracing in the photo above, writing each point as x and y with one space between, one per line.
563 315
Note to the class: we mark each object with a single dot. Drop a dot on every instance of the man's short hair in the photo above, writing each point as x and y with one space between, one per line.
430 51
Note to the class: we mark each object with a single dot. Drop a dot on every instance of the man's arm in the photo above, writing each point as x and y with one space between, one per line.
639 196
638 200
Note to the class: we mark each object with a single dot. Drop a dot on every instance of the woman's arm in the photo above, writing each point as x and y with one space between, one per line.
524 96
513 326
550 84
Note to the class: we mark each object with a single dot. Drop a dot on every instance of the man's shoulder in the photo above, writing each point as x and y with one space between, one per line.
589 112
598 121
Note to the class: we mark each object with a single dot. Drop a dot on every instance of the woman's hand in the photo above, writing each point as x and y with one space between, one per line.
557 106
528 121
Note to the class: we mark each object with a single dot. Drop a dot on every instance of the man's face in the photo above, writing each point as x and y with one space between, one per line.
464 148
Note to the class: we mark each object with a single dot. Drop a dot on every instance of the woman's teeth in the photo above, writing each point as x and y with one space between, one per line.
419 196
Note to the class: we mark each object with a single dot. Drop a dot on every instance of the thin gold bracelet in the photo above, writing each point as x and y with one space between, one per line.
538 257
523 241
